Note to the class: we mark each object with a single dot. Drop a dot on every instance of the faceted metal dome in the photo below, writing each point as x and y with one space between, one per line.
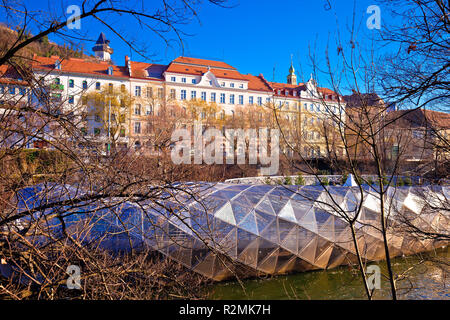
219 229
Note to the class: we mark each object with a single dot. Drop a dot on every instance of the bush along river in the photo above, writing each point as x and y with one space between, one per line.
426 276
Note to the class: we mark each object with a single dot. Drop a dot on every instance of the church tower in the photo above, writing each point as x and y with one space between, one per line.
292 78
102 49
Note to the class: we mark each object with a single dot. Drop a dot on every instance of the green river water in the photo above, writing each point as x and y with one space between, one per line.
425 280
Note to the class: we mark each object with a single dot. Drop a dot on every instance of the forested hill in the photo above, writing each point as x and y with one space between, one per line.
43 47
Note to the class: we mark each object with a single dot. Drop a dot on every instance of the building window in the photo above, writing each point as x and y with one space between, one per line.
2 89
318 108
71 83
160 93
193 95
71 100
137 110
232 85
213 97
137 91
250 100
111 87
183 95
222 84
173 79
97 118
241 86
96 131
267 100
311 107
222 98
183 80
84 84
312 121
149 110
305 106
173 94
97 85
194 81
203 115
259 101
294 93
231 98
241 99
137 127
204 96
22 91
57 81
12 90
149 92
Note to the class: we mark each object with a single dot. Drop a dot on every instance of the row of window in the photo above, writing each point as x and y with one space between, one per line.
318 108
12 90
194 81
222 97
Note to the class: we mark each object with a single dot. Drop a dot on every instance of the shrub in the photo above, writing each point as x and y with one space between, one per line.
408 181
287 180
267 180
325 181
300 181
344 178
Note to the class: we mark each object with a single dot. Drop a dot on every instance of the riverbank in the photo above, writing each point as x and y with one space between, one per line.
427 277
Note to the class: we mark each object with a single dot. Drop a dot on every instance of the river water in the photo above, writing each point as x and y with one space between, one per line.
427 277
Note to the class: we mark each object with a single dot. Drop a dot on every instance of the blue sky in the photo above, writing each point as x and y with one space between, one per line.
253 36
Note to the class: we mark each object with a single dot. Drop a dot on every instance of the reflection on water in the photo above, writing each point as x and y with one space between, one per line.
427 277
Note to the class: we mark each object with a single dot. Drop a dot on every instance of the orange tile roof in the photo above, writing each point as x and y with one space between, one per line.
79 66
203 62
421 118
301 86
198 67
147 70
9 75
257 83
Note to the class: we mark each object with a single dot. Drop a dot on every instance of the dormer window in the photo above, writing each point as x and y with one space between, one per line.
286 92
294 93
279 92
110 71
58 65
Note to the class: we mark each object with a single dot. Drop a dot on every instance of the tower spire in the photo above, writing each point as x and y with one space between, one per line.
292 78
102 49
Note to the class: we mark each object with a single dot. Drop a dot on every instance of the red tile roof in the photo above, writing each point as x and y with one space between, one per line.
198 67
147 70
257 83
421 118
203 62
9 75
98 68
